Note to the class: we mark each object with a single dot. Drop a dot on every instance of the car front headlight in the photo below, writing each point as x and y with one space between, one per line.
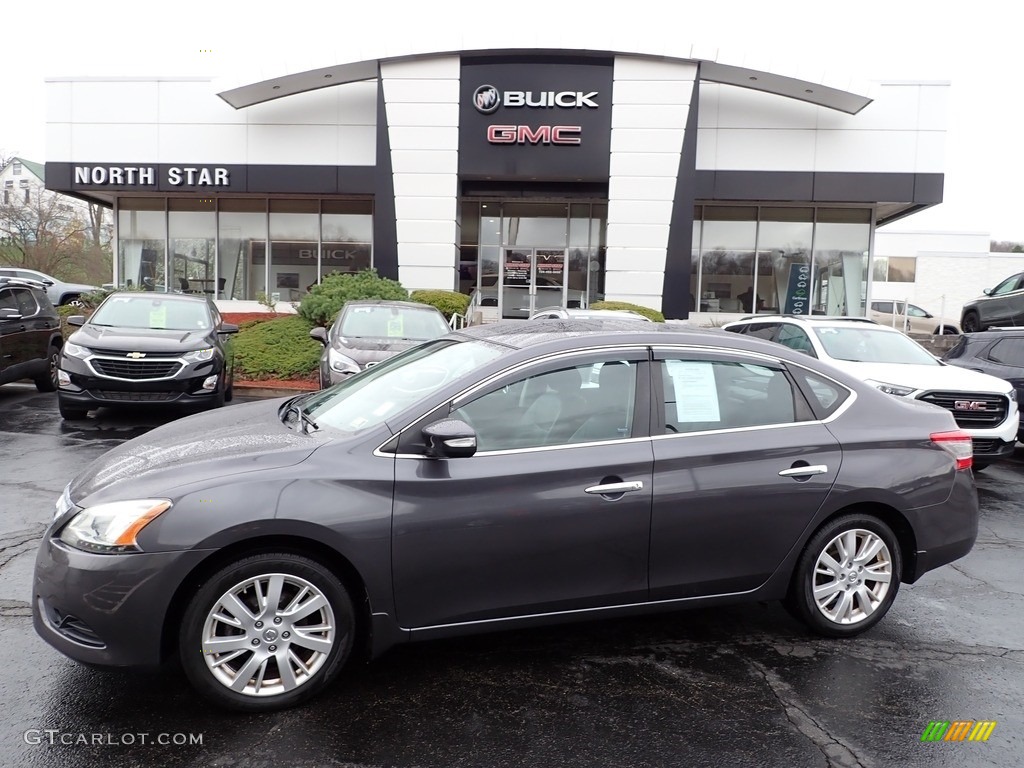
340 363
891 389
198 355
73 350
112 527
1012 394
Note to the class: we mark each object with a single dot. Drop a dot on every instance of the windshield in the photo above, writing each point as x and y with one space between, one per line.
378 393
872 345
152 312
370 321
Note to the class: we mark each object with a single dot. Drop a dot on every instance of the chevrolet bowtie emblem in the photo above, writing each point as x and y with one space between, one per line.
135 355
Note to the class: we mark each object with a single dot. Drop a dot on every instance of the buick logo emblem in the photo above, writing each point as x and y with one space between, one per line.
486 99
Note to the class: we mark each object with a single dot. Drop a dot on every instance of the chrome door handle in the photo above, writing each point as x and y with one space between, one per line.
817 469
610 488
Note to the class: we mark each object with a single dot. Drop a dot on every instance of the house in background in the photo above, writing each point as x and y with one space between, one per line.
21 180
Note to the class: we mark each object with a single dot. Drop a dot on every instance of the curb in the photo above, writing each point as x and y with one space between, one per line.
247 389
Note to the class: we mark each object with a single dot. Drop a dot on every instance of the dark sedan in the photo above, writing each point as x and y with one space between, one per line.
503 476
143 348
371 330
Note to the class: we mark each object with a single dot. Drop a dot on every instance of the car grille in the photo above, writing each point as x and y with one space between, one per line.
136 370
972 410
984 446
134 397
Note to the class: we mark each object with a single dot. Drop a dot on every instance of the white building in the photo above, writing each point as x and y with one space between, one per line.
681 182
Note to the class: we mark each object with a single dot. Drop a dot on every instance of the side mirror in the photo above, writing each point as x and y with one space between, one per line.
47 283
320 334
76 320
987 291
227 328
450 439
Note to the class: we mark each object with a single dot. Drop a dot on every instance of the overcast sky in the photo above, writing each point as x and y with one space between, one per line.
975 46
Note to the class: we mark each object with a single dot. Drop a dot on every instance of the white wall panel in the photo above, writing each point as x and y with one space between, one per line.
877 151
636 68
424 161
653 92
439 255
213 144
421 91
58 102
426 231
58 143
320 107
424 138
648 117
638 235
357 145
645 164
441 208
933 107
709 96
765 150
744 108
707 148
103 143
640 212
426 184
292 144
422 278
931 152
435 68
114 101
640 188
357 103
635 282
618 259
643 140
413 115
194 101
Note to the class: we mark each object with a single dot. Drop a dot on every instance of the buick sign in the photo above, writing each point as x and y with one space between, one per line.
486 99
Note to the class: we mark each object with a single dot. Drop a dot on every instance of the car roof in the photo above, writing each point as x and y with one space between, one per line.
24 282
390 303
159 295
812 319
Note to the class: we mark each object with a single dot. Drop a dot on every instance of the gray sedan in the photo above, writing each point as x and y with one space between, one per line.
500 477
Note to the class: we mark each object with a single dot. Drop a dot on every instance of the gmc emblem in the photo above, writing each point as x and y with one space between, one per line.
968 405
542 134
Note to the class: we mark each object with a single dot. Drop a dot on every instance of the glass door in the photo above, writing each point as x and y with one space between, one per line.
532 278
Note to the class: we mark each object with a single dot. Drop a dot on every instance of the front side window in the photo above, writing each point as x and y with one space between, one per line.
795 338
1008 352
1008 285
8 301
591 402
27 305
702 395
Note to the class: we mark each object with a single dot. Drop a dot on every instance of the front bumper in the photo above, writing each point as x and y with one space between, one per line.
107 610
88 390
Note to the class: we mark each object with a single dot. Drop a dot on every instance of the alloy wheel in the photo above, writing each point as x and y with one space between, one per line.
852 575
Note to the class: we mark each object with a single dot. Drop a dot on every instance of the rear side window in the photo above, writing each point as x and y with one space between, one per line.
26 302
825 396
764 331
703 395
1008 351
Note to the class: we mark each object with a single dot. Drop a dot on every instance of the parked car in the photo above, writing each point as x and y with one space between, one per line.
985 407
58 291
561 313
909 318
479 482
30 338
369 331
144 349
998 353
1002 305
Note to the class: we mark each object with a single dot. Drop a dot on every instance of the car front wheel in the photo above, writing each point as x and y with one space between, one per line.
267 632
847 577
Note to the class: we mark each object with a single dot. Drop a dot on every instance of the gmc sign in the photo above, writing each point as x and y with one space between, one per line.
542 134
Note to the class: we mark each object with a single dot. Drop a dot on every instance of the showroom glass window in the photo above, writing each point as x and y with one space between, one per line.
141 241
728 242
242 239
346 236
294 242
842 238
784 260
192 233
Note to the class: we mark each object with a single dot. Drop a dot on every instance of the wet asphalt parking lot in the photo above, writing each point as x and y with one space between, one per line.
744 686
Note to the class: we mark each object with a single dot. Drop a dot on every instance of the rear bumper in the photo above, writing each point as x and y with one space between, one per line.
944 532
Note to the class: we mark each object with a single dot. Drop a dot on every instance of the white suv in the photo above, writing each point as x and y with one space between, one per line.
985 407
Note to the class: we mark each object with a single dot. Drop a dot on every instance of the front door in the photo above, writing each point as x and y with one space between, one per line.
532 279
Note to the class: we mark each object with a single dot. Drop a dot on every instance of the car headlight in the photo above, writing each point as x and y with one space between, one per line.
73 350
341 363
891 389
1012 394
198 355
112 527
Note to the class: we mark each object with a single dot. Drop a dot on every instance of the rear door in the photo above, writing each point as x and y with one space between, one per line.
741 468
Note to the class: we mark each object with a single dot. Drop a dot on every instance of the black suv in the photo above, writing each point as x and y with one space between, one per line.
998 353
30 339
142 348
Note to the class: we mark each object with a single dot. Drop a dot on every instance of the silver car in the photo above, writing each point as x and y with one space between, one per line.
370 331
57 290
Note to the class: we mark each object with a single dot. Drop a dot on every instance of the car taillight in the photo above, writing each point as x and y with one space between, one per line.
958 445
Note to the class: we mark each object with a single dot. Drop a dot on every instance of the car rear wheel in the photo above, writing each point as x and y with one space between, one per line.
47 382
971 323
847 577
267 632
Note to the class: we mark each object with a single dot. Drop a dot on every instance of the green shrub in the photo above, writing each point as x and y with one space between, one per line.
448 302
653 314
321 305
280 348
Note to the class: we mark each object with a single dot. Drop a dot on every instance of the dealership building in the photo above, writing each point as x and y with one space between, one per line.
693 185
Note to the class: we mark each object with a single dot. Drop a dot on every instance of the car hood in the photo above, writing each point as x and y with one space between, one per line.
138 339
371 349
925 377
231 440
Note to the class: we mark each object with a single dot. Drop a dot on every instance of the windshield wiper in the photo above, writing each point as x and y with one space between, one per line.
305 420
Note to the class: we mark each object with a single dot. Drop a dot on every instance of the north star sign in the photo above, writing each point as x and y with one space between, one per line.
487 99
145 176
